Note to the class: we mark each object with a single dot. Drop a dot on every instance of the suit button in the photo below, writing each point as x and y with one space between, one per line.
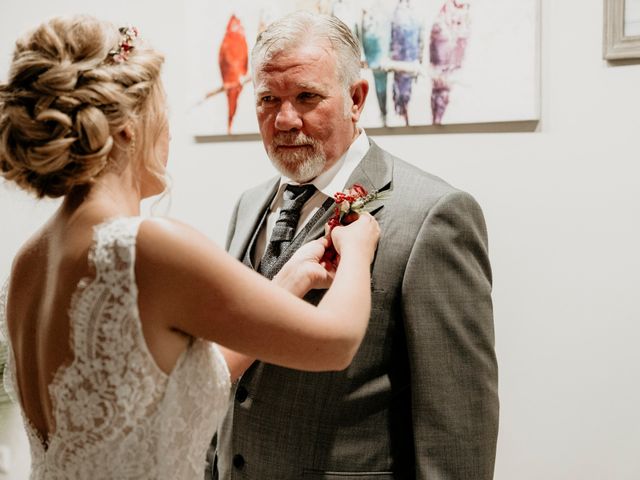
238 461
241 394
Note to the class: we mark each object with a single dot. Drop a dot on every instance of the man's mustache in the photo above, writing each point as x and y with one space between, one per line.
293 139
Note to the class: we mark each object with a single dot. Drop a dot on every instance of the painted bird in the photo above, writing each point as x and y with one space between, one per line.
233 60
406 46
376 37
448 42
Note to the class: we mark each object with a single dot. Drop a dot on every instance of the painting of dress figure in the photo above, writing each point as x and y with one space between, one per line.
428 62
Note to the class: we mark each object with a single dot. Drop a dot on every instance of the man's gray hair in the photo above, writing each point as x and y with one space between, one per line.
293 29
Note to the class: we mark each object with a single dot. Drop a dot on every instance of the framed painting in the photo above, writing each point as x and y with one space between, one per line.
428 62
621 29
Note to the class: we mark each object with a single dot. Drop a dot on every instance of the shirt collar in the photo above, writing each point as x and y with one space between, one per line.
335 179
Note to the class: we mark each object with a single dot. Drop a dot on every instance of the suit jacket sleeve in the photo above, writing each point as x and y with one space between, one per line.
447 308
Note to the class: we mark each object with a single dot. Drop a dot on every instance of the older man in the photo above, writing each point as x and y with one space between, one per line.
420 398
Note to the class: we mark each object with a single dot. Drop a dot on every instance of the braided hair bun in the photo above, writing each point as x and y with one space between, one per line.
66 99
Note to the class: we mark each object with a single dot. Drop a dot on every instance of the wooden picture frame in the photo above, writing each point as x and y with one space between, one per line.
617 45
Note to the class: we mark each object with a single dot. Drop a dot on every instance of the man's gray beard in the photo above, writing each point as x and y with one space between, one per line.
299 166
301 170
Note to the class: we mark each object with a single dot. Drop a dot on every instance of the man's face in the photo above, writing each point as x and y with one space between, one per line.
305 115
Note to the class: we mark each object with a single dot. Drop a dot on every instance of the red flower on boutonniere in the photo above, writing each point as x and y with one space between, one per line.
349 204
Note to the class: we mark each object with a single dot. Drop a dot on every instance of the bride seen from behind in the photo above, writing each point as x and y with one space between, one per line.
110 317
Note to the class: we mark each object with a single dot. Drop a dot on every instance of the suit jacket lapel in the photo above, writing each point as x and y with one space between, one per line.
317 229
249 217
374 172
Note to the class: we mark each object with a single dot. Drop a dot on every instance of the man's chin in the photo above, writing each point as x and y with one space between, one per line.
300 170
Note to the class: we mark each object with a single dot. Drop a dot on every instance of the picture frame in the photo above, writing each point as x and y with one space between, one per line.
619 43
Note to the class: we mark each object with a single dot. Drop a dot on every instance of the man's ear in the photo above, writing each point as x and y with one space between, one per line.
358 91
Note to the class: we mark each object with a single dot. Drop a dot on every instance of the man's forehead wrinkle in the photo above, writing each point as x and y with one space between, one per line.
273 61
309 86
288 77
288 62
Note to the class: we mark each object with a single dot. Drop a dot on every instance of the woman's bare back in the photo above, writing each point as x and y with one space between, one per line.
104 389
44 277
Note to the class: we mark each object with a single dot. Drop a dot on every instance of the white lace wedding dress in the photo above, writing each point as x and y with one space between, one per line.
117 415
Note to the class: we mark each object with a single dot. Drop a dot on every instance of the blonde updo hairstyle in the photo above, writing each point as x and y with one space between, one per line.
67 101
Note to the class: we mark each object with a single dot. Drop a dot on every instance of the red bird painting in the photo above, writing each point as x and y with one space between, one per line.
233 60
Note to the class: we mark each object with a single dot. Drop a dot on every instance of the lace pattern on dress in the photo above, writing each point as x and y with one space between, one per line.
4 338
117 415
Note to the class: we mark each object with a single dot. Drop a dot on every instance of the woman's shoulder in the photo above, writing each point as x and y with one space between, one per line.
162 227
31 257
174 266
162 232
167 241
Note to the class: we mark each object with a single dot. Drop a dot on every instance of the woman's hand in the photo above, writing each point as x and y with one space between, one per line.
304 270
360 237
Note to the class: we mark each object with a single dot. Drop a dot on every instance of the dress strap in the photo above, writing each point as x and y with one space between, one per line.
114 246
112 289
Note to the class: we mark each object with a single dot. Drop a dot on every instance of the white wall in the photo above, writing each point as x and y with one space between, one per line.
563 211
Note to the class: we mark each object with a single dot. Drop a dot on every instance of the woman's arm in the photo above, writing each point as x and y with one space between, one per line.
237 363
202 291
301 273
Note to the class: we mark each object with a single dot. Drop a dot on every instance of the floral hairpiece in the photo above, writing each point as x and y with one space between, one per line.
121 53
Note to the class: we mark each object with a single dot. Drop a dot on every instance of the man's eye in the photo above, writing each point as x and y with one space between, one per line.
307 96
267 99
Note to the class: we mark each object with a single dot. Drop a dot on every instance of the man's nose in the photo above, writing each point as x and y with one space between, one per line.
288 118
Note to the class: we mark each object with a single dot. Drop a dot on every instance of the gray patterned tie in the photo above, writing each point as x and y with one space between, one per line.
284 230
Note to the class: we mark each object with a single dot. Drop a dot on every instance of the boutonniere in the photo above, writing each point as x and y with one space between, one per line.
349 204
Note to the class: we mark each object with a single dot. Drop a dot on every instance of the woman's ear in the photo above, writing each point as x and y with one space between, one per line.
127 133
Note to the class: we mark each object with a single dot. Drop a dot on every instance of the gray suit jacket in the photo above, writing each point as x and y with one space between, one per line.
420 399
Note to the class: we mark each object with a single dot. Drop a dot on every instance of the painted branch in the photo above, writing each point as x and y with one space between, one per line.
246 79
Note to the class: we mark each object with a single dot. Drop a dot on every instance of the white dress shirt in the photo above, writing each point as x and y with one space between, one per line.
327 184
